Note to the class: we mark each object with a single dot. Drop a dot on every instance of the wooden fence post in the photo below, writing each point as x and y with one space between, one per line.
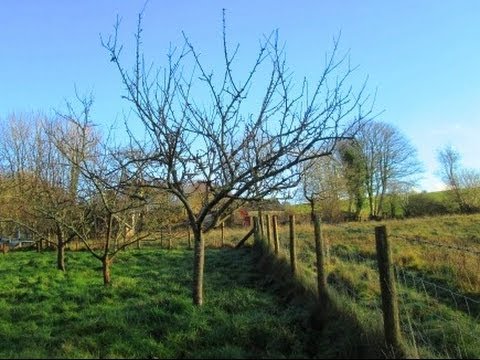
260 224
267 224
276 242
256 230
391 318
319 252
222 227
189 239
169 237
293 249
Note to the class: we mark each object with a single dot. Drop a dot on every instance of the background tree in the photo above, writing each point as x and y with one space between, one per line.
323 186
463 183
107 197
390 163
37 181
353 171
244 134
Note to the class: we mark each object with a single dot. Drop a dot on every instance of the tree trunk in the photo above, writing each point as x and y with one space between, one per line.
358 205
60 251
169 238
222 241
198 266
312 210
106 270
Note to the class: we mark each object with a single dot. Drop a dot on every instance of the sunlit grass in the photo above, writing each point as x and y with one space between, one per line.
352 273
148 311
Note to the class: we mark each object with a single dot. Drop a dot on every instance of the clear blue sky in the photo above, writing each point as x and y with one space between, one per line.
422 56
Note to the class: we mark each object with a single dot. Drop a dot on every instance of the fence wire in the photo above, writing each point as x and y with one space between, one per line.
348 261
434 318
462 302
418 240
426 323
437 318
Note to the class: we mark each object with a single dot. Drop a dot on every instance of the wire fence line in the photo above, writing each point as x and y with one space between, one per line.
436 312
417 281
418 240
432 314
417 328
355 293
461 301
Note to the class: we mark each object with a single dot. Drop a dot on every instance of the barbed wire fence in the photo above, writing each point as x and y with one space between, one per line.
435 313
432 303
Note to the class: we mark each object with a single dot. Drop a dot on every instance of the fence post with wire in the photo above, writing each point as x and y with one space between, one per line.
391 317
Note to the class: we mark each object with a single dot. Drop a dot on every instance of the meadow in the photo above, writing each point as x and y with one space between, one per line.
437 266
148 311
253 308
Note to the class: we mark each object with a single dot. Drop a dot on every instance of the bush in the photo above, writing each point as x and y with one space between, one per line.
429 204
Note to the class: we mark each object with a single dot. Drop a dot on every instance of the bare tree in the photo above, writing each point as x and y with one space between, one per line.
107 197
39 182
390 163
244 137
323 186
110 201
464 183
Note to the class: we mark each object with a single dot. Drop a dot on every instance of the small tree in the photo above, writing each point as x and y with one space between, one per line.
107 196
244 138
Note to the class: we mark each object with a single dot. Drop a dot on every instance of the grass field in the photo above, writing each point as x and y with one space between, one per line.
148 312
250 311
439 286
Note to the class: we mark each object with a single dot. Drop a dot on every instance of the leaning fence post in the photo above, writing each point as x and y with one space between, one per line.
391 318
293 250
319 252
275 234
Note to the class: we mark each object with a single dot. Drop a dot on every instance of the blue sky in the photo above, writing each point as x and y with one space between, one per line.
423 57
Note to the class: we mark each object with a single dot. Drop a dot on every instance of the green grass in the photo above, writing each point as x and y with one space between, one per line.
435 322
148 311
253 307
